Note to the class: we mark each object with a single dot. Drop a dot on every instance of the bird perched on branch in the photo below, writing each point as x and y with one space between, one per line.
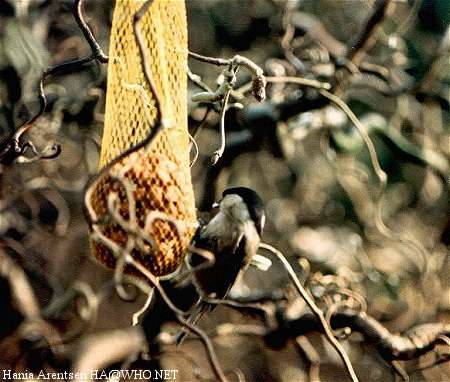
221 250
232 238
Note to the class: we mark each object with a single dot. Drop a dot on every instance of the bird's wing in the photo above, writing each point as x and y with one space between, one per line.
231 269
219 278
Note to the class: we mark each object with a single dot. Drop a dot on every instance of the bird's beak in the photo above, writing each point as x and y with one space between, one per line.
216 205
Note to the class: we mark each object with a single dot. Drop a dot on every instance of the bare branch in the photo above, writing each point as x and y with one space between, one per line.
312 305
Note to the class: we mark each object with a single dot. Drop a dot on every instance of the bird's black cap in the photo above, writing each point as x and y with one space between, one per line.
254 204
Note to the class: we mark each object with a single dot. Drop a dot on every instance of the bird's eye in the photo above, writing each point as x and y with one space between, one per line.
215 205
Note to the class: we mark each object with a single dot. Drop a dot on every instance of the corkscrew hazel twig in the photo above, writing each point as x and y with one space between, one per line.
180 317
315 309
382 178
219 152
12 147
226 87
379 172
222 94
258 79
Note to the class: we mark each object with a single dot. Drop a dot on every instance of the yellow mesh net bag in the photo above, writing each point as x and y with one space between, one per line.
159 175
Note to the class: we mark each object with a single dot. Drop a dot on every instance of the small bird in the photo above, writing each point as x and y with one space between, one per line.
232 237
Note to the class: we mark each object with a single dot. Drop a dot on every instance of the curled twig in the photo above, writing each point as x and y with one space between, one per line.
362 42
218 153
317 312
407 346
258 79
22 294
12 147
300 81
382 177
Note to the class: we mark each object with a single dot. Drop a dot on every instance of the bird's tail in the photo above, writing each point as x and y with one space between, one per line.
192 319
